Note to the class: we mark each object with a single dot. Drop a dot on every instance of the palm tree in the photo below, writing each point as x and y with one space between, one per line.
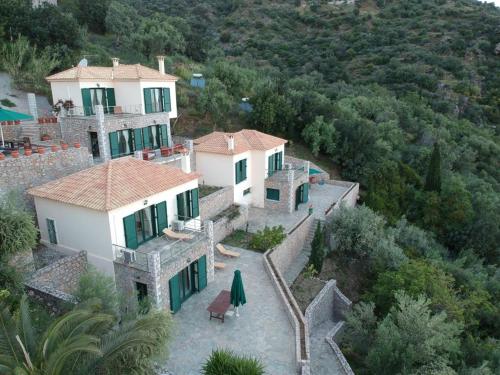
80 342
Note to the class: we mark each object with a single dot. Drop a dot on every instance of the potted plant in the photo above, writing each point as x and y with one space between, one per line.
64 146
2 156
41 150
77 144
54 148
15 154
45 137
28 151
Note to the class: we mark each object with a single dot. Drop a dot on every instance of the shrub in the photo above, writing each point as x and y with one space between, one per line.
268 238
226 362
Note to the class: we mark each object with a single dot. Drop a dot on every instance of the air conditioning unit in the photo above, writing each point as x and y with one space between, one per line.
288 166
128 256
178 225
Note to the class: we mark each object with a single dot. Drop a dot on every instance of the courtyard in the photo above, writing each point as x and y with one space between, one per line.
262 330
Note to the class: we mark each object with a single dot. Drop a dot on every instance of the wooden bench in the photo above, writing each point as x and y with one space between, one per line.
220 305
176 235
225 252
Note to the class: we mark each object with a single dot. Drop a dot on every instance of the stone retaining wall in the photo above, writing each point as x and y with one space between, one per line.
213 204
25 172
224 226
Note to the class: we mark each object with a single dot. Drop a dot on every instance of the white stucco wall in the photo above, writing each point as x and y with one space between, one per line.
173 93
77 228
170 196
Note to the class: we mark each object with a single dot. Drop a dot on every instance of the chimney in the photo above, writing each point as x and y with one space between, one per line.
161 64
116 61
230 143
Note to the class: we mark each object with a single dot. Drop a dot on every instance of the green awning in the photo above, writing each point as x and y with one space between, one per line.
237 291
6 115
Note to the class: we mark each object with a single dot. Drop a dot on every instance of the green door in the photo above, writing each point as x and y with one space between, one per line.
51 228
130 232
175 293
202 272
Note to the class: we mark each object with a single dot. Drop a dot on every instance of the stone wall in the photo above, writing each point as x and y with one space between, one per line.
286 252
213 204
54 283
25 172
224 226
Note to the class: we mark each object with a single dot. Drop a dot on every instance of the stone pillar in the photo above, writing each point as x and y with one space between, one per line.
102 136
209 231
154 266
32 106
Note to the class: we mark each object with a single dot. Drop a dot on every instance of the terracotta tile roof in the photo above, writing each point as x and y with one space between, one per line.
244 140
120 72
113 184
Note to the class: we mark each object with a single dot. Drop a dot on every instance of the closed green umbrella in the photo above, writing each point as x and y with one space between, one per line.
237 291
6 115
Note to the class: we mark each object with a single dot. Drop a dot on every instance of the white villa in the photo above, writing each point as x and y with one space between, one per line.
116 212
253 163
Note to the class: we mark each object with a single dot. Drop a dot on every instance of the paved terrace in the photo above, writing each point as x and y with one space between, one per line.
262 330
322 197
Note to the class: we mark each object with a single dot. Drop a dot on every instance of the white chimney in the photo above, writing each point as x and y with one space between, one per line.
230 143
161 64
116 61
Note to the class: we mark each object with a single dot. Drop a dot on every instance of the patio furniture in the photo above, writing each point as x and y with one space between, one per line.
220 305
225 252
219 265
176 235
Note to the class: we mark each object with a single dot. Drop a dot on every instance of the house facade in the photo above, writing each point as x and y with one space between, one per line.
252 163
116 212
118 110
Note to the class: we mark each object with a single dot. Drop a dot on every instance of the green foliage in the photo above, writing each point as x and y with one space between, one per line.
320 136
267 238
98 289
226 362
17 227
433 178
317 249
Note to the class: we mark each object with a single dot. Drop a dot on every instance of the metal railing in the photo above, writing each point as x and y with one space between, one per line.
130 257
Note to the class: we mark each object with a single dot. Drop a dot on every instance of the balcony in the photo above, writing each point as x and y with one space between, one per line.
169 249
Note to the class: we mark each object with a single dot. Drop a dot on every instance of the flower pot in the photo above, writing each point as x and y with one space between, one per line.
15 154
28 151
64 146
2 156
41 150
77 144
54 148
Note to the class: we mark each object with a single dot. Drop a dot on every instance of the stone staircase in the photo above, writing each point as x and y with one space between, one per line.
302 259
32 131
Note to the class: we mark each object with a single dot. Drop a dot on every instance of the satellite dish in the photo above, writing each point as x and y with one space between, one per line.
83 62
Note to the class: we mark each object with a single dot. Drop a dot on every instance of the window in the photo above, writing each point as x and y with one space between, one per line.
157 100
246 191
273 194
51 228
275 163
241 171
142 291
188 205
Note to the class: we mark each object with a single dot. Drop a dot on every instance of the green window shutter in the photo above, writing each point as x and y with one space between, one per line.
148 105
130 234
113 145
273 194
270 165
166 100
161 216
181 206
202 272
164 135
195 205
147 137
138 139
110 100
306 192
175 293
87 102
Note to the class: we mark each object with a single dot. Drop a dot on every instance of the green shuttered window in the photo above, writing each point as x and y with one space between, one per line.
273 194
241 171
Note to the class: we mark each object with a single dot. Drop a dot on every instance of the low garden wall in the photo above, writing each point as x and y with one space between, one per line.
226 224
213 204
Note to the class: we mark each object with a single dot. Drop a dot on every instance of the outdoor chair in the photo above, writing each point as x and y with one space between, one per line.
176 235
225 252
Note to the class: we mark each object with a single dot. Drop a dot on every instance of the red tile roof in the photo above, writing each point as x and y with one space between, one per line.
244 140
114 184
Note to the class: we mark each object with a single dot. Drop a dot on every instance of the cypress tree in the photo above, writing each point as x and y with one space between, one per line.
317 250
433 179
